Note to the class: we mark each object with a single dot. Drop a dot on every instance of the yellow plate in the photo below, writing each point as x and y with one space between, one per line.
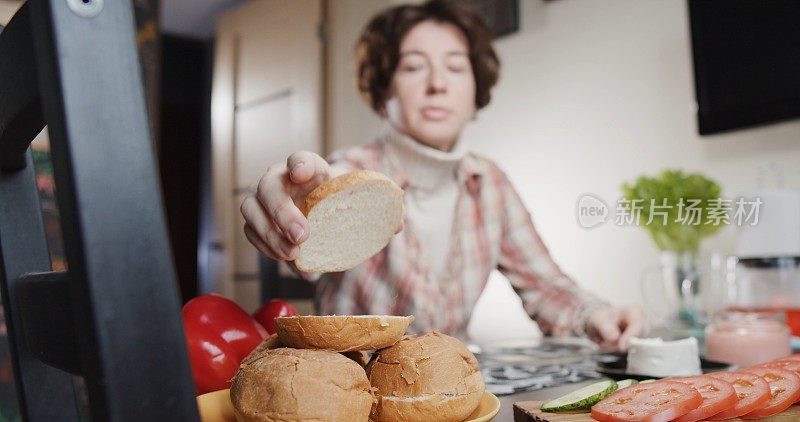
487 408
217 407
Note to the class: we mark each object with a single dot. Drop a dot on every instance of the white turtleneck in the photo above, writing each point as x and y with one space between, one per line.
431 194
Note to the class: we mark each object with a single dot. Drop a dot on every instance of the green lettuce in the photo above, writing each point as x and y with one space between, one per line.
676 233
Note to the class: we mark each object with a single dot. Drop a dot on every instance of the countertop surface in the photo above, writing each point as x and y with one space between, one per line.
506 413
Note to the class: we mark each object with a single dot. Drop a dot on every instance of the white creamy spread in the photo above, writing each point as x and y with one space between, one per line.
658 358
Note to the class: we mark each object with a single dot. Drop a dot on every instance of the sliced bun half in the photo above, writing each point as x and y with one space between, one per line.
351 218
300 385
428 378
342 333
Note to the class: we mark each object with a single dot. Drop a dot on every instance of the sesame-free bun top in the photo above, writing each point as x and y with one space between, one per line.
427 378
342 333
298 385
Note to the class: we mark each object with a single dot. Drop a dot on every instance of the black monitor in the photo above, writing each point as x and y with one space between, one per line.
746 62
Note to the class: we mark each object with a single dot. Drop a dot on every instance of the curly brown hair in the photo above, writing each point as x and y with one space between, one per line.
378 48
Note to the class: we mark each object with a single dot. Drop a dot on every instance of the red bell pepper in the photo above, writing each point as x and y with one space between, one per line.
224 317
213 360
267 313
219 335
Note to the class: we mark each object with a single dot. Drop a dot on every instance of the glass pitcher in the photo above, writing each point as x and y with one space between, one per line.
684 292
670 290
769 284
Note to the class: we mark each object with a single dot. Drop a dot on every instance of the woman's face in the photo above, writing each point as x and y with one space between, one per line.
432 94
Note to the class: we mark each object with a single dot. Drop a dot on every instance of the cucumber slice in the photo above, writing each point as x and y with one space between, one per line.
646 381
582 399
626 383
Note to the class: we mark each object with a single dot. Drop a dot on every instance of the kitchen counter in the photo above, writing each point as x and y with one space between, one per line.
506 413
549 368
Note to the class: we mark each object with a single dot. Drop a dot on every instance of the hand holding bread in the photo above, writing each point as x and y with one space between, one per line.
300 214
273 221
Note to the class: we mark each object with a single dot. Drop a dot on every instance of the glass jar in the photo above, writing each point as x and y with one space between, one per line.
769 284
747 338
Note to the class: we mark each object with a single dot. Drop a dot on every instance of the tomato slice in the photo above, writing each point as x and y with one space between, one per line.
718 396
657 401
785 389
795 356
787 364
751 389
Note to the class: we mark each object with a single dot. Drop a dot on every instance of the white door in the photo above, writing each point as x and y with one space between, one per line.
266 103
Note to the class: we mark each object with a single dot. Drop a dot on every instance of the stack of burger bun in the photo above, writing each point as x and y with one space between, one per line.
317 368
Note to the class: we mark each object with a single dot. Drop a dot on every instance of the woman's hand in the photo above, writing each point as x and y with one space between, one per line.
612 327
273 222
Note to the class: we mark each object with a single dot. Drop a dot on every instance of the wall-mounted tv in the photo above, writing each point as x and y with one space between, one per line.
746 62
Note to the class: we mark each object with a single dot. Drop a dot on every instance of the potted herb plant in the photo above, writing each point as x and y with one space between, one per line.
678 210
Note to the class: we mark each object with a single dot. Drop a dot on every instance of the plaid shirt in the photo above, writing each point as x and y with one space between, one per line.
492 230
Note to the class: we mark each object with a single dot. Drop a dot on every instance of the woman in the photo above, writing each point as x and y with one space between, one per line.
426 69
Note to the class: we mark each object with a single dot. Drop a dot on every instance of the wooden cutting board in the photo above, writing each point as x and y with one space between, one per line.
528 411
